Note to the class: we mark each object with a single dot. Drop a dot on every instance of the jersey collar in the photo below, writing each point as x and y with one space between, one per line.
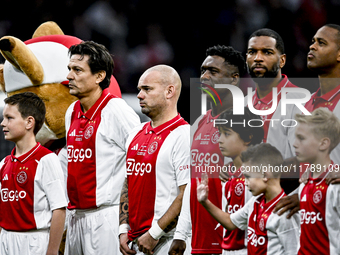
164 126
23 158
268 206
91 113
323 175
326 97
269 97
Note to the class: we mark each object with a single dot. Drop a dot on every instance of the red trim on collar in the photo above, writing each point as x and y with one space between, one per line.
25 156
162 127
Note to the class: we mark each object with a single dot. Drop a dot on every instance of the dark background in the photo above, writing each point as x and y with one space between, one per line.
142 33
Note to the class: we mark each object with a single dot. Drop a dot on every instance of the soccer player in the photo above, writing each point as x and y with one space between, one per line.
157 167
316 136
234 139
265 59
323 58
222 65
267 232
97 126
33 200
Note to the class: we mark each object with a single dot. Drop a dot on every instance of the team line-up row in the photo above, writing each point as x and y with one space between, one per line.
112 210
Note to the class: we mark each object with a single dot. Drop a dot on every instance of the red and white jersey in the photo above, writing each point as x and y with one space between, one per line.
157 163
32 186
207 234
282 136
266 102
320 217
96 151
237 196
268 233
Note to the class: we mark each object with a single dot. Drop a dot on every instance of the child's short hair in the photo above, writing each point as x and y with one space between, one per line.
252 133
29 104
264 155
323 123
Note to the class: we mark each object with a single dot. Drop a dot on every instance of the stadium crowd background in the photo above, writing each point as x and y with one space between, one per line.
143 33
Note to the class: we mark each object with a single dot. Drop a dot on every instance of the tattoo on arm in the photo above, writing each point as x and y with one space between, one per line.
124 205
172 225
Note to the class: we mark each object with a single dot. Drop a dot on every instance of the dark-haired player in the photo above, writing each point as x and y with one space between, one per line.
222 65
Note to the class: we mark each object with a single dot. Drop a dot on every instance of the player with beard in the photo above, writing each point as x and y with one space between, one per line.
265 58
222 65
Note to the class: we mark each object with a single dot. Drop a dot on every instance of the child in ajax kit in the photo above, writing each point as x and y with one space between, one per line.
33 201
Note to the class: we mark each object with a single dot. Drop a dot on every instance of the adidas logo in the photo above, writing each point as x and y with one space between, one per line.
198 137
304 198
134 148
5 178
73 133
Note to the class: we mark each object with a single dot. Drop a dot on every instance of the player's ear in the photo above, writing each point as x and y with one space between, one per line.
283 58
170 91
250 138
30 122
325 143
100 76
235 78
265 176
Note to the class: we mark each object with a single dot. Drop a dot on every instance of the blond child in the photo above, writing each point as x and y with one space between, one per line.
316 136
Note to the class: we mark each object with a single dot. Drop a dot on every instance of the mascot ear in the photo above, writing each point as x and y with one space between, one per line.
2 80
21 57
48 28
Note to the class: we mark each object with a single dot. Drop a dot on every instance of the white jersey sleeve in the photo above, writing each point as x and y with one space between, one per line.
183 229
333 217
180 153
49 184
240 218
123 120
287 231
52 180
281 129
335 154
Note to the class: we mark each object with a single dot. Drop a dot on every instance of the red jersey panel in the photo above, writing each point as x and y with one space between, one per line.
81 154
31 187
257 230
319 215
237 195
153 174
205 152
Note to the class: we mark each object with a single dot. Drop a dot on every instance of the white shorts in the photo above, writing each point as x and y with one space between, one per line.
93 231
24 243
162 247
236 252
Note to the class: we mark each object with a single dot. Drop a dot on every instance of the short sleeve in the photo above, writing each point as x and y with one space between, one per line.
240 218
181 154
52 181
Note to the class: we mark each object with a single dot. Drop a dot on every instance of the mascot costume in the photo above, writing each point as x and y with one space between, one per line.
39 65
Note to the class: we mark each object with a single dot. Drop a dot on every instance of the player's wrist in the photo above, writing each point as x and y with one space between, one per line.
123 228
156 232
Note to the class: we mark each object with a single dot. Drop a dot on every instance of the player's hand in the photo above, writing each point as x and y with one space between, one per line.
333 178
304 177
124 248
202 188
286 203
146 243
177 247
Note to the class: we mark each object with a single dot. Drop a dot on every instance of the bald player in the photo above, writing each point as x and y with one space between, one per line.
157 165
